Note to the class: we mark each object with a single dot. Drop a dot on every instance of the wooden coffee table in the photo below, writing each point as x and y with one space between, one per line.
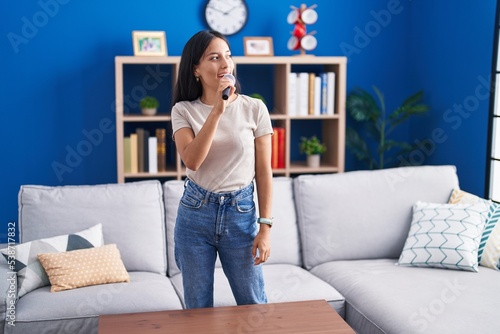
314 316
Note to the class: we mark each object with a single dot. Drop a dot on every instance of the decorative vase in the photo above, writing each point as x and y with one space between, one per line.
149 111
313 160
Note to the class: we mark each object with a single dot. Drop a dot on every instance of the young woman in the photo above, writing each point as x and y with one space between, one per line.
225 145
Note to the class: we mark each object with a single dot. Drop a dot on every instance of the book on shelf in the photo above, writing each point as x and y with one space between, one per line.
317 95
134 164
303 94
145 148
126 155
311 94
161 148
278 148
281 147
330 100
292 94
152 155
142 152
140 149
274 149
324 90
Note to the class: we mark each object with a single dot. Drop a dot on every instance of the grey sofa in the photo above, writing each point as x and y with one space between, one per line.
336 237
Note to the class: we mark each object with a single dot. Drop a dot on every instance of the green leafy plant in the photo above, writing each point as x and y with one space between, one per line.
378 126
311 146
149 102
258 96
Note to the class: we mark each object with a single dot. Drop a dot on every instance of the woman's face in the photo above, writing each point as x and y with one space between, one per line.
215 62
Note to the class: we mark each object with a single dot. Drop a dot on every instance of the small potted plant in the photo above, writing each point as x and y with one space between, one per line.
149 105
258 96
313 148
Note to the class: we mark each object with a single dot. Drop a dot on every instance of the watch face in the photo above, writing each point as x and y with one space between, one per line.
226 16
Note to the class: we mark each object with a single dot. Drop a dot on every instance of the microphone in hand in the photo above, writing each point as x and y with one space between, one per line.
225 92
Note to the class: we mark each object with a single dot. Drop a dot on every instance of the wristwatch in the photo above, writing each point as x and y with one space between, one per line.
267 221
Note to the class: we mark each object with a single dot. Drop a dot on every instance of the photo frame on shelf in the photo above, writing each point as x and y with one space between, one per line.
149 43
258 46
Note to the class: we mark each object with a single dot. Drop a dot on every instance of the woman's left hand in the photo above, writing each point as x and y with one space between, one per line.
262 242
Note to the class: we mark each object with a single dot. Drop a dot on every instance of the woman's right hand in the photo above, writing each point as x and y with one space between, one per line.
221 104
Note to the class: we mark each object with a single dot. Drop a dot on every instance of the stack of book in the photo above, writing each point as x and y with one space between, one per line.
311 93
278 148
144 152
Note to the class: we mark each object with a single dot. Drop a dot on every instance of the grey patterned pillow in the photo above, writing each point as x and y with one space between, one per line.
30 273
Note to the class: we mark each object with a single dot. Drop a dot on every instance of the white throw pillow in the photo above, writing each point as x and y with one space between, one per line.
444 236
30 273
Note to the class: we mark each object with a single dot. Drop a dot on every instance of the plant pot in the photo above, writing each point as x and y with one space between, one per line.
149 111
313 160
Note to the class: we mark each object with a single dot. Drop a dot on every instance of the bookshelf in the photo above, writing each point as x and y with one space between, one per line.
136 77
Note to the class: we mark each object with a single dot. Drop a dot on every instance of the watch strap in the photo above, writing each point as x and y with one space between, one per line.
267 221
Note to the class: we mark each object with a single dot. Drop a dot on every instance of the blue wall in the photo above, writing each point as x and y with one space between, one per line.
57 75
451 59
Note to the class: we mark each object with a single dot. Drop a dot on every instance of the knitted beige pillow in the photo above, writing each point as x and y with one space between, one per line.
84 267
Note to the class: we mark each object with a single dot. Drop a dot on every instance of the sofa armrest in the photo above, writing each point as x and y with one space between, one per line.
8 295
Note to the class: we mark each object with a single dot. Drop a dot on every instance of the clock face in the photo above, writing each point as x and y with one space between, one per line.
226 16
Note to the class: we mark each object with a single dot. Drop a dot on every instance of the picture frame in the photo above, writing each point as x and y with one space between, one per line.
258 46
149 43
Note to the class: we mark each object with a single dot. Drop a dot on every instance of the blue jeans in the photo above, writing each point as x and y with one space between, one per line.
211 223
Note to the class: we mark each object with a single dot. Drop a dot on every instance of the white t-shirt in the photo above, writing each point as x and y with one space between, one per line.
230 163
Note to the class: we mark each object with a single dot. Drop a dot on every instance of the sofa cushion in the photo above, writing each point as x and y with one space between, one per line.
172 193
364 214
444 236
30 273
283 283
489 248
285 241
490 242
384 298
131 214
77 311
84 267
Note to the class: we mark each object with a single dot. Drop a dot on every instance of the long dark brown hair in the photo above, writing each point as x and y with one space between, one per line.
186 87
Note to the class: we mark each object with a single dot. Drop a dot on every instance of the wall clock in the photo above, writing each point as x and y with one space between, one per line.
226 16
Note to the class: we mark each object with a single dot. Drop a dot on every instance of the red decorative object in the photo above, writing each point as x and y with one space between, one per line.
300 30
300 39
